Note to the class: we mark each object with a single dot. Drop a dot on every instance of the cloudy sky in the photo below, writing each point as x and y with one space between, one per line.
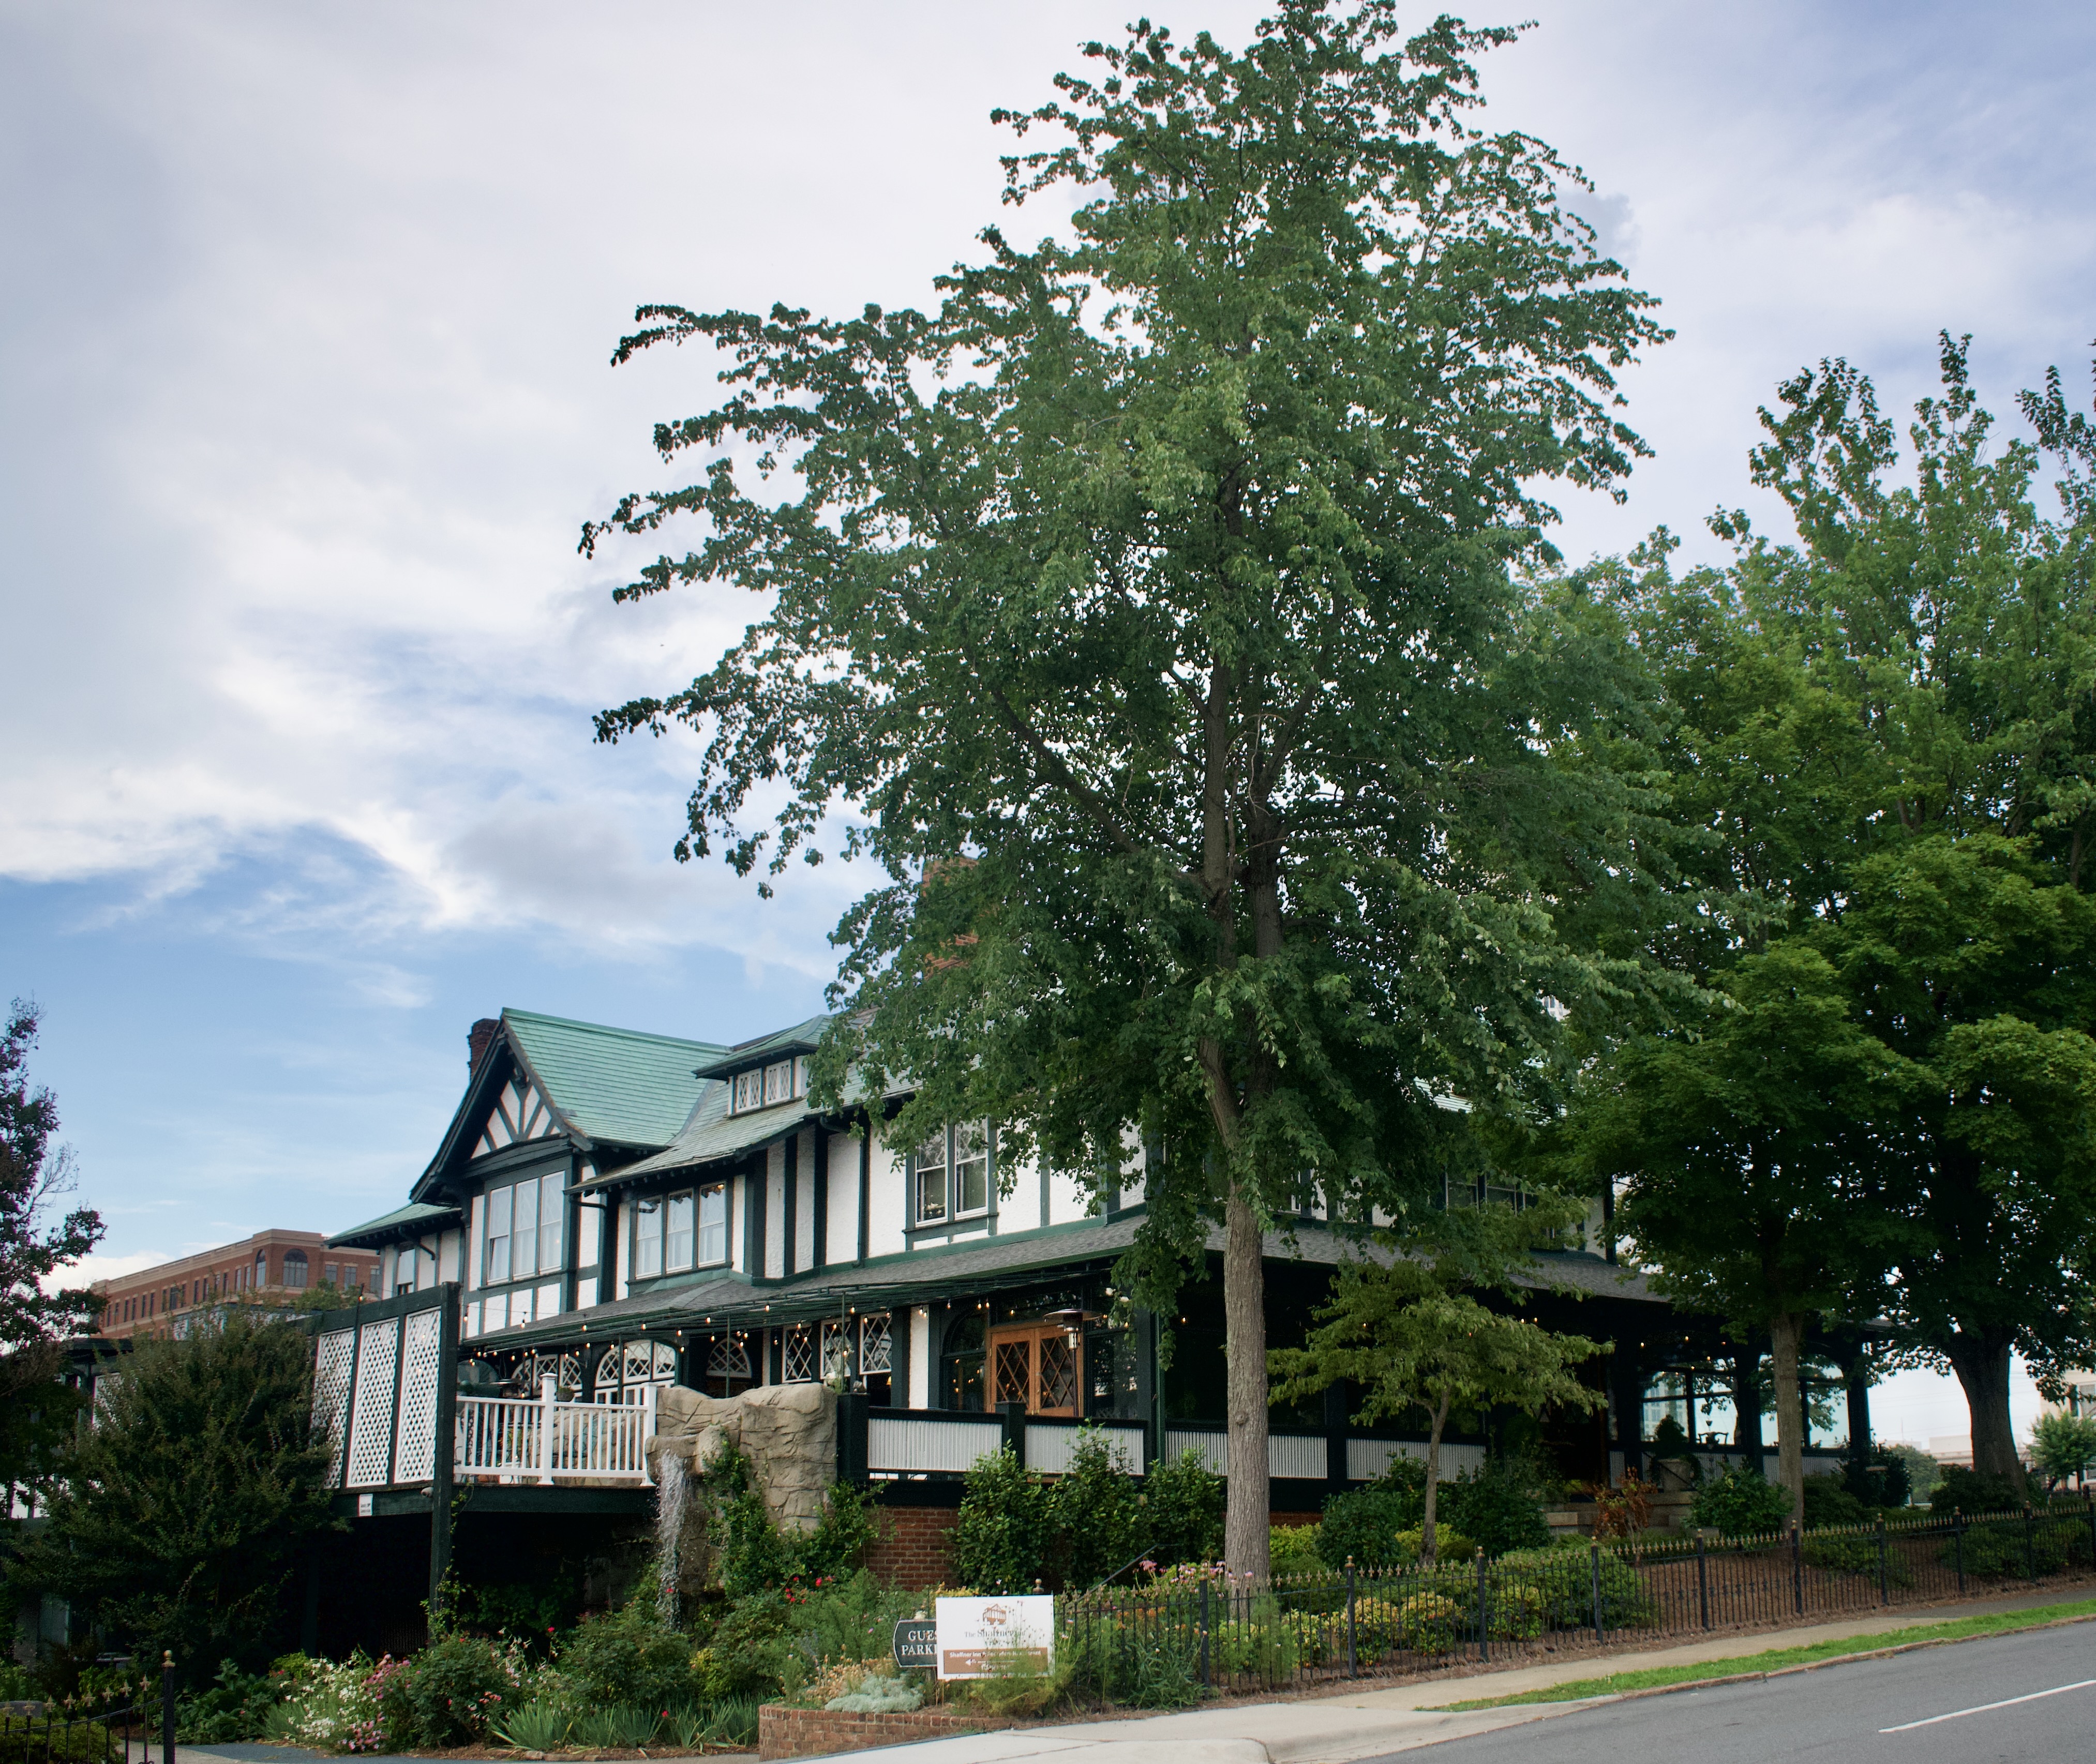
304 321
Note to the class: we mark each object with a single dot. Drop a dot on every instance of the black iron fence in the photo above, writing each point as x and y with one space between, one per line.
117 1724
1197 1633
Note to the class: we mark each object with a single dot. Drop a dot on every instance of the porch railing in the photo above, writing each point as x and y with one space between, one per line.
541 1440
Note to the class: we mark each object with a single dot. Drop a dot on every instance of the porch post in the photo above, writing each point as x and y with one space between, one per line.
1335 1439
444 1447
547 1388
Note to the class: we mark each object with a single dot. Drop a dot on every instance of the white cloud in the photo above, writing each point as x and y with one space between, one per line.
306 329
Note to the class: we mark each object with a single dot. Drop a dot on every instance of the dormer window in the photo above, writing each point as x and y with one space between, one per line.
763 1087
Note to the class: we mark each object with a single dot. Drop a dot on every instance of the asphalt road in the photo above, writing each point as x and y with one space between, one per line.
1931 1706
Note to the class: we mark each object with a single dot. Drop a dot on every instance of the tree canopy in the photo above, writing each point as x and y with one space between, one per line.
1148 614
35 1406
1886 732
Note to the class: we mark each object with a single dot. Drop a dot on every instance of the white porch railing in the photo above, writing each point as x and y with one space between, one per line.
537 1440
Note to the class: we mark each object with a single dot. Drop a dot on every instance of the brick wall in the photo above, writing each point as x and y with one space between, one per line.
783 1732
915 1547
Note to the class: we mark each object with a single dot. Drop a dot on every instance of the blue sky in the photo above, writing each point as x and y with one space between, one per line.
304 316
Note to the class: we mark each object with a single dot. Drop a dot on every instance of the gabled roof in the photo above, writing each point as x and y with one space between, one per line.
410 1220
801 1039
617 1086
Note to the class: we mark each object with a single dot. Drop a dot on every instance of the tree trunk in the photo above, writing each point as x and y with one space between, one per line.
1246 1519
1981 1362
1786 1337
1429 1545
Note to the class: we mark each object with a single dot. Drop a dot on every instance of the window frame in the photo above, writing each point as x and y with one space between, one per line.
709 1209
498 1206
948 1138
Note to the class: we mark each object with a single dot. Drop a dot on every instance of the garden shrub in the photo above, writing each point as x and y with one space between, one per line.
1450 1545
1670 1444
1144 1663
1095 1518
1292 1549
1888 1484
1972 1491
1365 1524
1000 1537
1855 1553
631 1655
449 1693
753 1554
1501 1506
1741 1502
1563 1578
1184 1501
749 1652
1828 1501
1995 1549
336 1708
233 1707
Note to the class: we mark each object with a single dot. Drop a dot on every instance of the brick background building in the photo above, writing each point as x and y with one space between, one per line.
154 1300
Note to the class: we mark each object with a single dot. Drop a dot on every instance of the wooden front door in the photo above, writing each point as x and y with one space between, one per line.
1036 1364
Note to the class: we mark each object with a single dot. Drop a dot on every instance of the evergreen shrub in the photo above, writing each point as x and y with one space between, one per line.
1741 1502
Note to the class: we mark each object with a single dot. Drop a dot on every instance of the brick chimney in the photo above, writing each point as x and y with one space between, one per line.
479 1039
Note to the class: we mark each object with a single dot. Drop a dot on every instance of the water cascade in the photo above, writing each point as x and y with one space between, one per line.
671 1491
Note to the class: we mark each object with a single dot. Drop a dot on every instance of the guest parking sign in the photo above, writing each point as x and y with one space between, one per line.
982 1638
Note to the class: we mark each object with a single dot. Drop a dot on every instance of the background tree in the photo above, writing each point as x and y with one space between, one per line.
1750 1178
1413 1336
35 1407
2064 1445
1148 609
1887 731
178 1520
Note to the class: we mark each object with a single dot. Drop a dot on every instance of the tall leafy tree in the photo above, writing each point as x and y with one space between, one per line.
179 1519
35 1174
1147 613
1752 1174
1888 728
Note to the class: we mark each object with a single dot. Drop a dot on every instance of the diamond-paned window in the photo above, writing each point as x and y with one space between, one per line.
728 1358
799 1356
876 1350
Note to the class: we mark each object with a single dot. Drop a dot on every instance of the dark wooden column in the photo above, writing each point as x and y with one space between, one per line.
790 1187
446 1429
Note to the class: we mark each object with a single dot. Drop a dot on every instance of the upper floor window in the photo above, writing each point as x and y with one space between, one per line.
762 1086
950 1174
675 1233
295 1269
523 1229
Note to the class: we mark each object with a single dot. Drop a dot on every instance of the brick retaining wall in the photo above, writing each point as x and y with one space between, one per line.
783 1732
915 1547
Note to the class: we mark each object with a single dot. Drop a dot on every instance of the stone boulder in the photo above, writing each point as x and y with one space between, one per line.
788 1431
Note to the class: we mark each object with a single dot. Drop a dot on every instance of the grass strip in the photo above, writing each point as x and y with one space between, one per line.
1778 1659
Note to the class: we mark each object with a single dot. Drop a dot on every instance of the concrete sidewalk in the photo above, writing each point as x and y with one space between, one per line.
1358 1724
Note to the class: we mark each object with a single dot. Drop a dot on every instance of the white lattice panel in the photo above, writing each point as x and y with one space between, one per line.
334 1355
929 1445
421 1375
371 1416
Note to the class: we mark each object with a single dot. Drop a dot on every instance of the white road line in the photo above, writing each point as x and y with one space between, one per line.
2007 1702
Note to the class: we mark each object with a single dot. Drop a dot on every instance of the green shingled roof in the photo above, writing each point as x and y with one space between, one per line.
616 1085
401 1220
801 1038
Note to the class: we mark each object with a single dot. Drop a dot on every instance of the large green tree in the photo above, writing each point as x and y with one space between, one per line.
1887 729
1148 613
179 1519
1752 1176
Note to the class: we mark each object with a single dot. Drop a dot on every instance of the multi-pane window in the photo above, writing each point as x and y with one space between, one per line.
675 1233
294 1269
929 1169
648 1236
762 1086
950 1174
523 1229
713 1226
